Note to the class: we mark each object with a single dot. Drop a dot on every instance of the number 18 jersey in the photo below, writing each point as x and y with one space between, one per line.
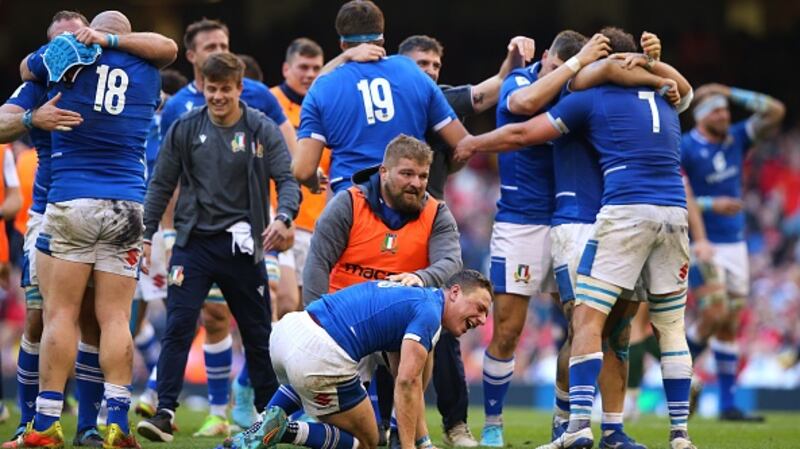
104 157
359 107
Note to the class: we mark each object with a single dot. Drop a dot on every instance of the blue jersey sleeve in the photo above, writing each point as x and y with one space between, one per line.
425 327
36 64
172 110
572 112
310 123
28 95
258 96
741 135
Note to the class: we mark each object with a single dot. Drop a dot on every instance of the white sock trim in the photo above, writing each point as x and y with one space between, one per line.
727 347
584 358
302 433
612 418
86 347
29 347
220 346
116 391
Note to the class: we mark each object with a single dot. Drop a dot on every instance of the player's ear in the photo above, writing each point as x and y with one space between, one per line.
285 69
190 55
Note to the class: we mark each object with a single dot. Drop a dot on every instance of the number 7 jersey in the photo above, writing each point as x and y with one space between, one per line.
359 107
104 157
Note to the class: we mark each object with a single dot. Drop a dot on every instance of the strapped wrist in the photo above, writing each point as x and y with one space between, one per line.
574 64
27 119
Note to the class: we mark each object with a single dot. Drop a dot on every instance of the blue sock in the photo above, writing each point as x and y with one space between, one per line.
612 422
219 358
152 381
118 399
372 392
244 376
48 409
322 436
88 385
497 375
583 372
287 399
726 356
27 380
147 344
676 372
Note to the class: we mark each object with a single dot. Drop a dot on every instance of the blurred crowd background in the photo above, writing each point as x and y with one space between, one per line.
744 43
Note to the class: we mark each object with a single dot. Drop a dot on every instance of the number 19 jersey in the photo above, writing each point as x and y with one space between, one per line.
359 107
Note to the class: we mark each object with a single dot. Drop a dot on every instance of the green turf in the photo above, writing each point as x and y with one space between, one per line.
526 428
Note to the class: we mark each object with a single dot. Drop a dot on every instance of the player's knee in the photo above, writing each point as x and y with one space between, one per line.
215 320
597 294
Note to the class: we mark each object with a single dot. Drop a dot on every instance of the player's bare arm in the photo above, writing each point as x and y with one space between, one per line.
306 161
408 391
359 53
531 99
520 51
47 117
510 137
159 50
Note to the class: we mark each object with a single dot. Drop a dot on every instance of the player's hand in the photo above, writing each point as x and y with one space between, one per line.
464 150
322 182
520 50
668 88
726 205
89 36
407 279
651 45
277 236
49 117
597 47
712 89
144 262
365 53
703 250
630 60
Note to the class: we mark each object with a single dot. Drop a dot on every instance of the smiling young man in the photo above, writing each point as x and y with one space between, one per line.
224 154
336 332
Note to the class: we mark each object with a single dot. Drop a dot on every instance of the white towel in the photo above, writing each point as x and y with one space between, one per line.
241 236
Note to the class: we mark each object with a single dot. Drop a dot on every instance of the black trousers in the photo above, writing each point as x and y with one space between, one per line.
452 397
193 268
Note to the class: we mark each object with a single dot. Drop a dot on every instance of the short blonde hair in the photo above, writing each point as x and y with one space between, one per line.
404 146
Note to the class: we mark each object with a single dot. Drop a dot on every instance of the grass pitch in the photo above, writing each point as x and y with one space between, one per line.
526 428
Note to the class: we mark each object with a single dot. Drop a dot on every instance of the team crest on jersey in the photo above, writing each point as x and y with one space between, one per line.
389 243
523 273
175 275
238 143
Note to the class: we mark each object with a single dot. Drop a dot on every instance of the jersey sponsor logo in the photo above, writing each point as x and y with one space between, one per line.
323 399
367 272
684 271
389 244
238 143
521 81
189 105
175 275
203 138
132 257
523 273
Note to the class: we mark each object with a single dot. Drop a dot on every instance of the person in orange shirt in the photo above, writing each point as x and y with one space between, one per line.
27 161
303 63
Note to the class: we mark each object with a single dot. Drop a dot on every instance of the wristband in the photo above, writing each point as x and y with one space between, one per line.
753 101
169 236
574 64
705 202
27 119
112 40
